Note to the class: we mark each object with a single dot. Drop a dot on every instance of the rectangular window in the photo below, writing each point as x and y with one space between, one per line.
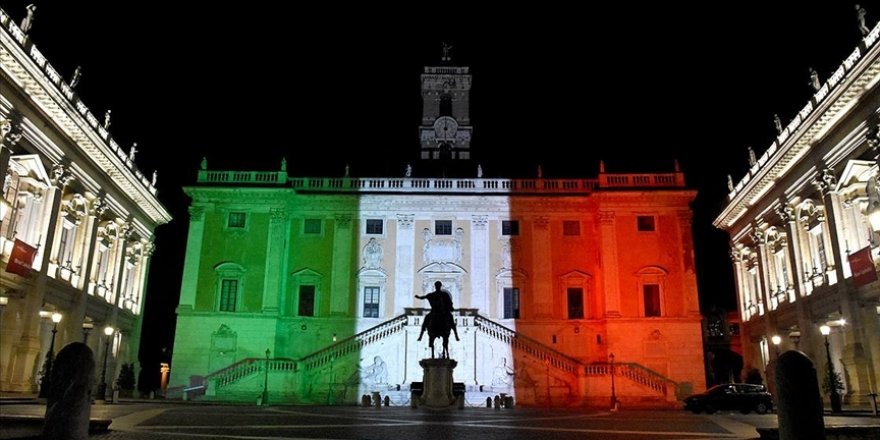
443 227
236 220
510 227
511 303
575 303
781 270
64 244
228 294
312 226
645 223
371 302
571 228
306 300
374 227
103 263
652 299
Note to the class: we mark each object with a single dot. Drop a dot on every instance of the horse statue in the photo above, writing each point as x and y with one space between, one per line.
439 321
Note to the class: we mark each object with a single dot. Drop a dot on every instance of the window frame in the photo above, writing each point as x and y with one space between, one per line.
515 301
640 217
306 233
566 224
438 224
374 221
244 220
510 228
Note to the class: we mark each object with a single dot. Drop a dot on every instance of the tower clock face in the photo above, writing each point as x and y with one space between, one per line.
445 127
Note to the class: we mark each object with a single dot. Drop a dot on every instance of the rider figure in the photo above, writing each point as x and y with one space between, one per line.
441 308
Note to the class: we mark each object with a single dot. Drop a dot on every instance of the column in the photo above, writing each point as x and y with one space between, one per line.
135 338
276 248
805 318
342 269
541 261
762 297
118 283
10 134
76 314
404 266
608 252
190 282
827 184
737 260
27 349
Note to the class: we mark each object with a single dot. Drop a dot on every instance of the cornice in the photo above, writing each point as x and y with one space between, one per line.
64 115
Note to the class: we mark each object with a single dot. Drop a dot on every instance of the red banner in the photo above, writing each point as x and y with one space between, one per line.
862 266
21 260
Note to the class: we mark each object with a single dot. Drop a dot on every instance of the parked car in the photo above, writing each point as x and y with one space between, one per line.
731 396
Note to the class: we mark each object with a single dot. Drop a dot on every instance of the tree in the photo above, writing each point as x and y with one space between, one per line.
838 382
125 381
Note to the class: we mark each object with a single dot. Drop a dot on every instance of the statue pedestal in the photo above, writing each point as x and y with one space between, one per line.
437 380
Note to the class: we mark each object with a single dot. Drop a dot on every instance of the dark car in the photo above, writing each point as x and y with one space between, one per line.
731 396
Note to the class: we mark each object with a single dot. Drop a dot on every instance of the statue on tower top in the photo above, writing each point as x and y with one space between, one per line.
447 49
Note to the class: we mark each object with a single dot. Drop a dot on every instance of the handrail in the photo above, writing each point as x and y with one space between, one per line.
528 345
353 343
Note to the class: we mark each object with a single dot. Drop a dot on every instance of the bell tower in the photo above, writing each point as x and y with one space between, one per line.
445 131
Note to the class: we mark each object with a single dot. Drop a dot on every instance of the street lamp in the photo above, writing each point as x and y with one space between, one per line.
102 387
613 389
87 328
547 364
265 398
776 340
832 383
330 399
46 383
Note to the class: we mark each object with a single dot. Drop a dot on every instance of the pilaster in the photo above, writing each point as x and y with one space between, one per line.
403 282
541 262
276 248
190 282
340 284
480 251
610 269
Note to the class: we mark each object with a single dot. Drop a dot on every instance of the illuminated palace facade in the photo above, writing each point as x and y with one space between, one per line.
76 227
305 286
804 228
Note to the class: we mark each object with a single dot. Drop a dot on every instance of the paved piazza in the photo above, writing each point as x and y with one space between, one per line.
200 421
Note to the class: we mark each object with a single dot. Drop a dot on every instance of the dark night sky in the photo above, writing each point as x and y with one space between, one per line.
634 85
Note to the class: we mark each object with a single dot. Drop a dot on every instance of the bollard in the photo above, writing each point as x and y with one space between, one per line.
387 400
488 402
68 407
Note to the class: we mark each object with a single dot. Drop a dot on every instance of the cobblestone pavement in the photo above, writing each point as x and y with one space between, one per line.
199 421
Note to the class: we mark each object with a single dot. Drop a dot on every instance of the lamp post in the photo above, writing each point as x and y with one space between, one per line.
547 364
102 387
265 397
613 389
832 383
87 328
330 399
46 383
776 340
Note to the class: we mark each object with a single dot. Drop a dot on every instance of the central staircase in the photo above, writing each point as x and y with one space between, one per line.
311 379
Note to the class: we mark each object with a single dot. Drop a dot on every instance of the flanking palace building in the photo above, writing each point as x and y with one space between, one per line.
804 225
76 224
